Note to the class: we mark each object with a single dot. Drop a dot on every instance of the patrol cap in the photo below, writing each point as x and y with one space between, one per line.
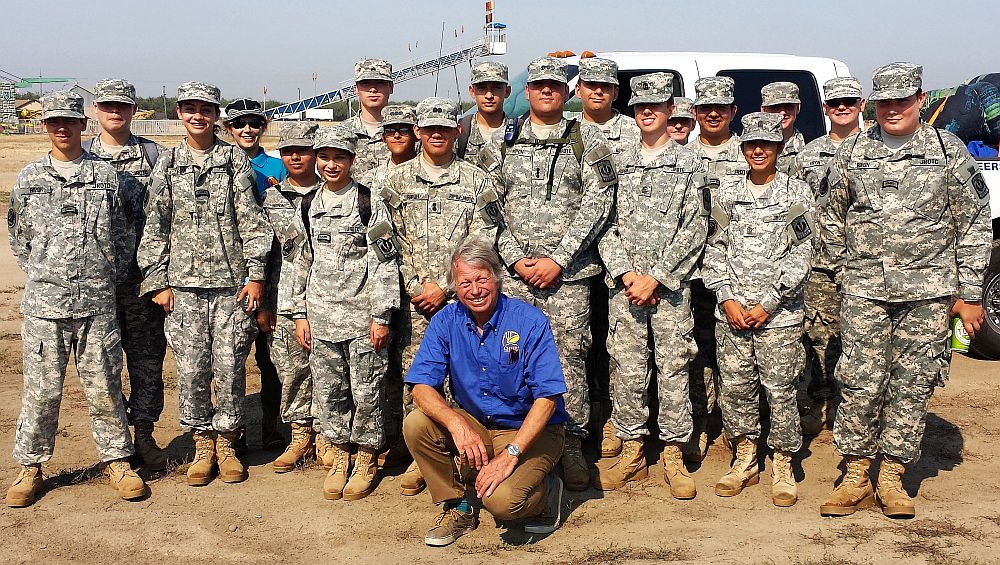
654 88
297 134
547 68
199 91
337 137
763 126
842 87
489 71
114 90
779 93
399 114
682 108
714 90
243 107
594 69
437 112
62 104
896 80
372 69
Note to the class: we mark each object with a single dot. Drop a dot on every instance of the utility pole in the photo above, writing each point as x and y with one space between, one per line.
165 116
314 84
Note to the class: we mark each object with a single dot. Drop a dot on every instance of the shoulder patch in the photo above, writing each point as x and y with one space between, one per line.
390 196
382 241
600 159
718 222
488 203
800 228
982 190
706 200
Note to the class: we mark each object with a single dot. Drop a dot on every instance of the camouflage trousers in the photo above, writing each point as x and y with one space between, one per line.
210 335
704 369
292 363
822 338
349 379
145 345
771 358
567 307
894 356
47 344
640 340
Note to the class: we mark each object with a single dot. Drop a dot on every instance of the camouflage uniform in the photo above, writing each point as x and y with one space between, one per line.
74 241
371 150
348 278
906 230
139 319
205 236
558 217
486 71
683 108
785 93
393 114
620 131
761 255
659 231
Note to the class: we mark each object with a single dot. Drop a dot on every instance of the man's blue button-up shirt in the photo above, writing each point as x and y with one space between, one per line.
496 376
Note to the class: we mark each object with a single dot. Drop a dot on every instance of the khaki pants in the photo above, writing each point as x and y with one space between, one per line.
522 495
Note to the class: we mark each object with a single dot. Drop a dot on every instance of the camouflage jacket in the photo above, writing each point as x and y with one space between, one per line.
432 218
730 163
762 250
791 150
375 178
907 225
620 132
475 144
560 220
283 207
811 164
135 169
71 237
204 228
661 218
348 271
370 150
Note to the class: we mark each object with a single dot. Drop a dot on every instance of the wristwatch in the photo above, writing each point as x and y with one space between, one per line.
513 450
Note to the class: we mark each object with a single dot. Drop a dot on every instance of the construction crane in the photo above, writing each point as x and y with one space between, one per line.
493 42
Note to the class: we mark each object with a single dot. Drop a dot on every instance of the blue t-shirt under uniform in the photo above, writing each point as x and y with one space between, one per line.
495 376
265 167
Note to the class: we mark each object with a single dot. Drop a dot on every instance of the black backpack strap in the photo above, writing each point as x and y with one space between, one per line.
149 150
364 203
463 135
306 203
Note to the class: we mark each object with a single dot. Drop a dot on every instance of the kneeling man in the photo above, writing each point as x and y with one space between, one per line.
507 383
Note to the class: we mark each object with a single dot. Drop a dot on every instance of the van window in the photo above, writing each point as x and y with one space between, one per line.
811 121
625 89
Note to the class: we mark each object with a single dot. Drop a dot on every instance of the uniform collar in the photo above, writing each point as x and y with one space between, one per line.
318 207
131 150
84 173
452 173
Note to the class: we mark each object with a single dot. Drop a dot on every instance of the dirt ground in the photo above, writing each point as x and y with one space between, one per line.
284 518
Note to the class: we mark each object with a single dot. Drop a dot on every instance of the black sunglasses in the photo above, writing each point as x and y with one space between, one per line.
403 130
240 123
836 102
243 104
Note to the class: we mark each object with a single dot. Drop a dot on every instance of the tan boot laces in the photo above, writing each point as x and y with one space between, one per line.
224 447
203 446
855 470
782 465
341 459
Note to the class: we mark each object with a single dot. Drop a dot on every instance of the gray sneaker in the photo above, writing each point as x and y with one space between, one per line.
449 525
551 516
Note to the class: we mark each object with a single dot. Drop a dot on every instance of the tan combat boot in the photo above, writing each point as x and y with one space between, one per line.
301 447
697 447
412 482
324 453
336 479
744 471
896 503
855 491
199 472
231 469
26 487
574 466
783 489
631 466
153 458
611 444
362 479
129 485
676 475
814 420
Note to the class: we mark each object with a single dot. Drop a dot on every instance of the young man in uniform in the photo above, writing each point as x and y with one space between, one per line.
651 250
399 135
817 396
246 122
682 120
139 320
907 229
489 89
373 80
436 201
70 233
783 98
558 179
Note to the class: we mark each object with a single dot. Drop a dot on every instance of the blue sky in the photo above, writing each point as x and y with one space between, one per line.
245 46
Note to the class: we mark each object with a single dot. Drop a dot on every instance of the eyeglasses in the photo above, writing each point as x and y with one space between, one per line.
837 102
240 123
243 104
403 130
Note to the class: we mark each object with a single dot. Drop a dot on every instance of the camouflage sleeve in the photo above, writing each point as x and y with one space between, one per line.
715 266
612 250
833 217
508 247
794 265
122 230
599 184
279 213
383 264
488 216
679 256
251 223
153 254
19 232
392 197
969 201
302 261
